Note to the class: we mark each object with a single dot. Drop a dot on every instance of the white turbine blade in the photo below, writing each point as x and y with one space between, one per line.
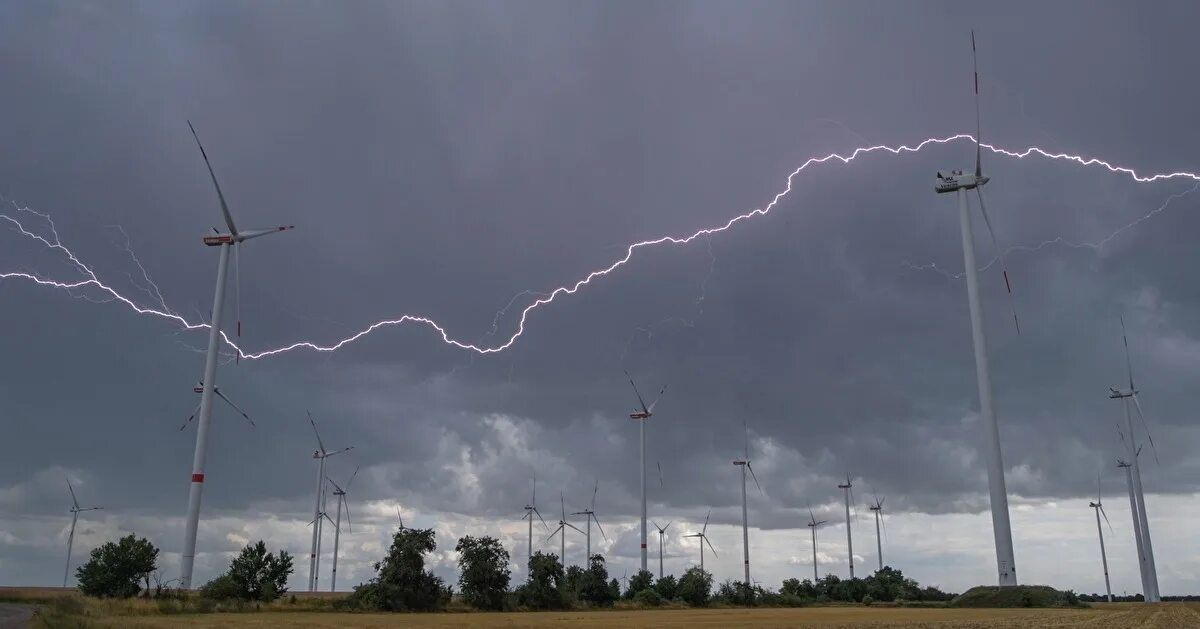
710 546
352 477
72 490
667 526
336 486
1000 255
91 509
346 504
572 526
655 402
594 490
656 525
978 132
705 529
660 479
255 233
1128 360
329 454
812 518
551 536
562 504
235 406
317 433
539 515
195 411
1149 437
751 468
1101 507
597 521
638 393
224 208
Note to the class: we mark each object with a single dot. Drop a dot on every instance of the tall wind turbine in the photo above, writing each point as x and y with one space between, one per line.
75 511
199 388
319 511
704 540
812 525
226 242
957 181
744 463
1137 525
878 509
848 488
642 416
337 525
590 516
561 531
1146 558
530 511
662 532
1099 508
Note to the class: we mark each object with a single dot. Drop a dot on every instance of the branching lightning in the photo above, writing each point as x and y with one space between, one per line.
90 280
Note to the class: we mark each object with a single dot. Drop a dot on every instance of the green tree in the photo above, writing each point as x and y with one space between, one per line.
402 583
115 570
483 571
546 578
695 587
643 580
666 587
594 586
259 575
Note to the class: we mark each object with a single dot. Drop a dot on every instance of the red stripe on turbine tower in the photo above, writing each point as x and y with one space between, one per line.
197 478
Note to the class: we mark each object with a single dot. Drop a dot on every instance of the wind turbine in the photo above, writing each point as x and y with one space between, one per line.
662 531
704 540
530 511
812 525
1137 525
401 518
75 511
1146 558
319 511
226 242
199 388
848 488
590 514
337 525
1099 508
744 463
561 531
641 416
957 181
878 509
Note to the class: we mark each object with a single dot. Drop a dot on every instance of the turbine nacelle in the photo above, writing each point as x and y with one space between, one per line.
235 238
951 180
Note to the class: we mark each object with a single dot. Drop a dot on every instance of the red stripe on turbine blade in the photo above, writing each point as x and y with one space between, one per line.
643 545
197 478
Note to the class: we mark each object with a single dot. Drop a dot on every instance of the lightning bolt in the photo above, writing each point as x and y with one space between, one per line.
91 280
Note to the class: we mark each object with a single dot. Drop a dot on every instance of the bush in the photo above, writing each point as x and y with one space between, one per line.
647 598
593 585
220 588
115 570
666 587
259 575
643 580
543 590
401 582
483 571
867 600
1016 596
695 587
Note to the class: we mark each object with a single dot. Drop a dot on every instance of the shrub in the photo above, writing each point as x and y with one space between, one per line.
593 585
867 600
259 575
115 570
220 588
643 580
647 598
666 587
543 589
695 587
401 582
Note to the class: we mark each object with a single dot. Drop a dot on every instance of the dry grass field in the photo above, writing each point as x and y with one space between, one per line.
114 614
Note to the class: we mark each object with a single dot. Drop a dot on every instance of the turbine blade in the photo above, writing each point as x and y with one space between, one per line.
1110 528
539 515
346 504
655 402
315 432
72 490
978 132
710 546
551 536
751 468
235 406
195 411
999 255
1149 437
705 529
336 486
573 526
1128 361
595 489
638 393
352 477
656 525
660 479
667 526
224 208
812 517
597 521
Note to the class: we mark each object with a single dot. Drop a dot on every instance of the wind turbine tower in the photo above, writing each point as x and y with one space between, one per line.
75 511
1146 558
319 511
744 464
530 511
1099 508
226 242
641 416
662 532
847 488
812 525
337 525
957 181
704 539
878 509
561 531
590 516
1137 526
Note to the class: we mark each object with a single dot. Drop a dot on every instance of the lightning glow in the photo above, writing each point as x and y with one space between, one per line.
160 310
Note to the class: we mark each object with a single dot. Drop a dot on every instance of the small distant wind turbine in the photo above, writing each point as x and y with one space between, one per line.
744 463
849 490
401 518
75 511
561 531
590 516
1099 508
957 181
319 511
226 242
199 388
662 531
704 540
878 509
1146 554
812 525
641 416
337 525
530 511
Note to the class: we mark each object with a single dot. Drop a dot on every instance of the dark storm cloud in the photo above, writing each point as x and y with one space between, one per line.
440 158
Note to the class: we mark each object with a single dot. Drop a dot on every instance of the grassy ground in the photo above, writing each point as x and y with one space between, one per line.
70 610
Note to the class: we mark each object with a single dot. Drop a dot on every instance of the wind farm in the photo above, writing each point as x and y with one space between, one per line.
524 215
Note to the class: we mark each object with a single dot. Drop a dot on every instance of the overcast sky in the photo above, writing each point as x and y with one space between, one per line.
455 160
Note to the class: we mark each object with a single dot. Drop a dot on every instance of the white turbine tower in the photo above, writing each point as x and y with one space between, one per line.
319 511
75 511
957 181
226 242
848 488
704 539
561 531
337 525
812 525
1098 506
878 509
662 532
590 516
642 416
530 511
1137 525
744 463
1142 530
